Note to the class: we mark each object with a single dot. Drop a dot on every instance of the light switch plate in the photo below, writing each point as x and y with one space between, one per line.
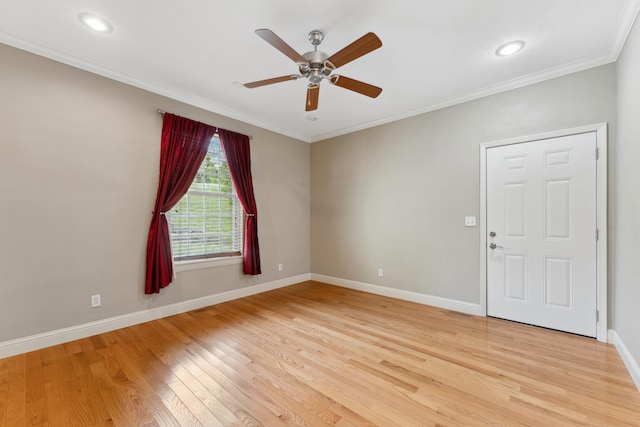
469 221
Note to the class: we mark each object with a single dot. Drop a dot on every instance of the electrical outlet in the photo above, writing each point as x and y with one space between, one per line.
279 267
95 301
380 272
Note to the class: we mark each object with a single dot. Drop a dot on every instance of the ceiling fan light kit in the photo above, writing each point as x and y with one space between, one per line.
316 65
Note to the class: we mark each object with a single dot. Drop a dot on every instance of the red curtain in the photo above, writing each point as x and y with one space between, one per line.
237 151
183 147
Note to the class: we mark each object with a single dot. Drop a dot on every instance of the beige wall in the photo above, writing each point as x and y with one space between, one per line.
624 204
395 196
79 159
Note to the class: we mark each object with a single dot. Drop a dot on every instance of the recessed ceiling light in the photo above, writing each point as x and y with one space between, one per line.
95 22
510 48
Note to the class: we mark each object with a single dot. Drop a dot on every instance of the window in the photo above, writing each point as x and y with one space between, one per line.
207 221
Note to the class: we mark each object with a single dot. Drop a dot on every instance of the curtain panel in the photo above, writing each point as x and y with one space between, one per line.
183 147
237 151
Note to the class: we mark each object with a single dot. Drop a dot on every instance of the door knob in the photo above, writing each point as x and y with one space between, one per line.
494 246
492 234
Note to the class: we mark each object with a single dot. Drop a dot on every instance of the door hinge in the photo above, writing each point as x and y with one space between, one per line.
597 153
597 315
597 234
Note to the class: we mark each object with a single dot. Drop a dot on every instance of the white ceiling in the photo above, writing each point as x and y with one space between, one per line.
434 53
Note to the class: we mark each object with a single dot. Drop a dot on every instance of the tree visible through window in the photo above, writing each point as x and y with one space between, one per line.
207 221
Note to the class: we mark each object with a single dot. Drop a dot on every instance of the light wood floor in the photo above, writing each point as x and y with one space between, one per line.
313 354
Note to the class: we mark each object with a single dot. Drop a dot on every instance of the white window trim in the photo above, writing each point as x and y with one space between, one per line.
203 263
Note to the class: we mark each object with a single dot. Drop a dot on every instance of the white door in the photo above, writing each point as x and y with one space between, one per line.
541 233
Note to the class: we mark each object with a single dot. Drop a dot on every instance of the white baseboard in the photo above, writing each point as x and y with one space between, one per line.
627 358
47 339
446 303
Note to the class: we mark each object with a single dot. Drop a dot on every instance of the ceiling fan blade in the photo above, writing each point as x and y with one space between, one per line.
356 85
365 44
275 41
313 91
270 81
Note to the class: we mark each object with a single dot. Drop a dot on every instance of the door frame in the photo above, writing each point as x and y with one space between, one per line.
601 214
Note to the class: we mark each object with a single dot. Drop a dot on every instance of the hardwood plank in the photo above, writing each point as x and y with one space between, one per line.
12 391
35 399
57 409
314 354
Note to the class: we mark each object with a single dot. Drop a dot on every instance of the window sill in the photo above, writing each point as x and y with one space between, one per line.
199 264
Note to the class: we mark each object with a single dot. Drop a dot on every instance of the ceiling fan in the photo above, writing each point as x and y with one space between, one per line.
316 65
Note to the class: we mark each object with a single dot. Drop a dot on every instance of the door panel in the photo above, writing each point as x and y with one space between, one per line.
558 201
558 283
541 205
515 205
515 277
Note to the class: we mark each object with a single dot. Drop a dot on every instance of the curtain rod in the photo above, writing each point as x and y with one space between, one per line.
159 111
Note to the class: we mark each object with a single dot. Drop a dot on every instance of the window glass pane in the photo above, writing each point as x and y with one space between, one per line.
212 205
198 182
180 246
196 244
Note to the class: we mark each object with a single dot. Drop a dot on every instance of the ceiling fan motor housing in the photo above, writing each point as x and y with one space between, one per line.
315 70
